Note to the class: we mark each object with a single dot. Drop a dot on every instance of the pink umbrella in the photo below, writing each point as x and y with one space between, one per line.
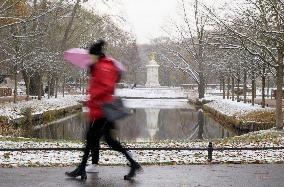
79 57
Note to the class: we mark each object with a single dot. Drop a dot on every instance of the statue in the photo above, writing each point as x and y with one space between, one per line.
153 56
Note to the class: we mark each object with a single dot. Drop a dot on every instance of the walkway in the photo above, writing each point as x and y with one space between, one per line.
192 175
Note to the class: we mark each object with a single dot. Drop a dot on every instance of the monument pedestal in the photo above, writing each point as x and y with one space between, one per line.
152 74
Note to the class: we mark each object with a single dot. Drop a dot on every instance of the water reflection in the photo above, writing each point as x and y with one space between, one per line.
148 124
152 121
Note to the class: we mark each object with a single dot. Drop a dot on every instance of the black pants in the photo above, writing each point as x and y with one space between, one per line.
97 130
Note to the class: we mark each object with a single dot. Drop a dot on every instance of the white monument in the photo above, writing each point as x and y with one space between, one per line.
152 72
152 88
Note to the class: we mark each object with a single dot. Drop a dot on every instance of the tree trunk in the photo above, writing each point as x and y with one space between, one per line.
63 86
83 90
39 87
77 84
238 88
80 84
253 90
33 83
200 124
56 86
28 88
69 26
245 87
263 91
52 85
267 92
16 84
233 89
201 86
48 87
228 88
224 88
27 80
220 85
279 70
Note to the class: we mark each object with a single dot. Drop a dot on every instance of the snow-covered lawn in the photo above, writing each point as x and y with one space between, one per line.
234 108
13 111
266 138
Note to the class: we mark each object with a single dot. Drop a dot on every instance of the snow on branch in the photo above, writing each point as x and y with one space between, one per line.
193 74
31 19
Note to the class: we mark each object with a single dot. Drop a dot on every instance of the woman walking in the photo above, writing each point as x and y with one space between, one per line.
105 73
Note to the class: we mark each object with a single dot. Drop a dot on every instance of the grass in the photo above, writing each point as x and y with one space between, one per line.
272 136
9 130
260 116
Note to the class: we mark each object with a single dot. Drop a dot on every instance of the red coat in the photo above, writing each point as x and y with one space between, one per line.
103 79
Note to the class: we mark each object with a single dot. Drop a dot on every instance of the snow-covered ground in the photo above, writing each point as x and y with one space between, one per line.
217 92
13 111
234 108
266 138
156 103
161 92
269 138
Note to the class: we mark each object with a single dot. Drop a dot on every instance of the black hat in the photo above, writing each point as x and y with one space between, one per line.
98 48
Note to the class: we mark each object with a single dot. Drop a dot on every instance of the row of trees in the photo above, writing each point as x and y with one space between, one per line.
257 33
245 44
34 35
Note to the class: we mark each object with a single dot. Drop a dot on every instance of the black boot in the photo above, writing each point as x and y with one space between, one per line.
135 167
80 171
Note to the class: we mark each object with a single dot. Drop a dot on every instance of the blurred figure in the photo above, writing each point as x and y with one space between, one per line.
104 74
133 86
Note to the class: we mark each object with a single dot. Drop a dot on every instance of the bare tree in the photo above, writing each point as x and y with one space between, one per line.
259 30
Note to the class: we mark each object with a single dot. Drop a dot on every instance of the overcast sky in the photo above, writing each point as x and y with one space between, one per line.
146 18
